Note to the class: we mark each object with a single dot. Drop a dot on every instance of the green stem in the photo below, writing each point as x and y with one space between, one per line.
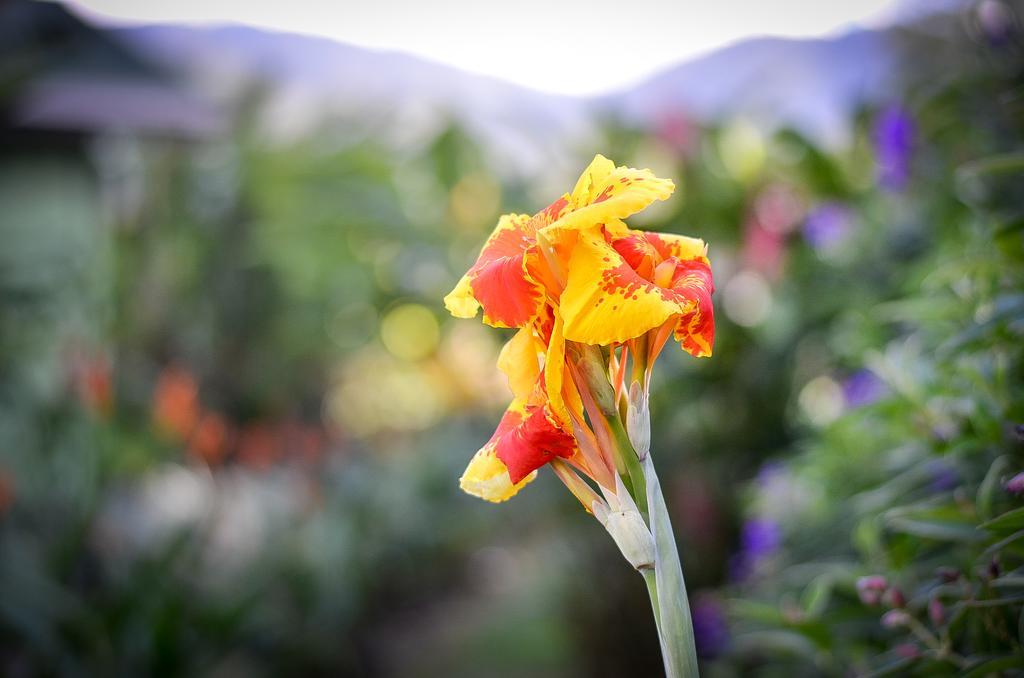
652 590
675 624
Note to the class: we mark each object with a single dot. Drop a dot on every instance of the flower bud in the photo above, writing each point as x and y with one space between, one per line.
632 537
638 420
595 373
894 619
948 575
907 651
1015 485
895 598
870 589
936 611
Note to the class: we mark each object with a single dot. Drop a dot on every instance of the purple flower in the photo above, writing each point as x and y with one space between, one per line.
769 473
827 226
710 628
943 475
894 143
861 388
996 21
760 538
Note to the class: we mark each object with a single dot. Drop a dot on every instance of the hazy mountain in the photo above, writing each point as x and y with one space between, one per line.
812 85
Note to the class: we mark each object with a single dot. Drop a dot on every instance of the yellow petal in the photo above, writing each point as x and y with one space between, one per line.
520 362
605 300
460 302
554 373
487 477
588 185
603 195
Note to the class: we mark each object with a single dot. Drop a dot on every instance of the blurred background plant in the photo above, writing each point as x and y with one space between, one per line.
233 412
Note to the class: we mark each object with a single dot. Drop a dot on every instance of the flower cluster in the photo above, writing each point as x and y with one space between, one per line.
591 299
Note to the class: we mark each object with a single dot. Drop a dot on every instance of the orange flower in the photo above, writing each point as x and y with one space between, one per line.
209 442
176 402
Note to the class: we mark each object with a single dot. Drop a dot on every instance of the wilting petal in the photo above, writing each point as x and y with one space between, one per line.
520 361
498 281
487 478
696 330
605 300
603 194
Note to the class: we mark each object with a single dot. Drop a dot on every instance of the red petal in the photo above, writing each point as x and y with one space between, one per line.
696 330
527 440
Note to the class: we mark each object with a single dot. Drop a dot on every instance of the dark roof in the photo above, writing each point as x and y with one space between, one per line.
59 73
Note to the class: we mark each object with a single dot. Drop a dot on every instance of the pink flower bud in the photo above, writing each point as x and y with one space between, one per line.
894 619
894 598
1015 485
936 611
907 651
870 589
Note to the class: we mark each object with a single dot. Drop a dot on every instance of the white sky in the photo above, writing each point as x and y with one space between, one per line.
568 46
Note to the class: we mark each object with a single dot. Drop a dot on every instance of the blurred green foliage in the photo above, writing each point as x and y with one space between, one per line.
233 411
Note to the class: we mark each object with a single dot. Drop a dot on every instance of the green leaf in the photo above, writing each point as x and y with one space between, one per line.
1011 521
941 530
989 484
995 664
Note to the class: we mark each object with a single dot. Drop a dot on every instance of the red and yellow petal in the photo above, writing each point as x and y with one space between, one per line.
499 281
681 247
605 300
487 477
530 441
526 439
695 330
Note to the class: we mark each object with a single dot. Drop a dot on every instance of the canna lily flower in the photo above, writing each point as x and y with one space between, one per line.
573 278
575 273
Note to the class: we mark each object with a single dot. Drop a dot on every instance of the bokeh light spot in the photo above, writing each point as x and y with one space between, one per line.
821 400
747 299
410 332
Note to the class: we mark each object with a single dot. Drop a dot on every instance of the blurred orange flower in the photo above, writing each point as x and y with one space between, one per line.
176 402
209 441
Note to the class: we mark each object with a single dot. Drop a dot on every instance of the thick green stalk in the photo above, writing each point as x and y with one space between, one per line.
673 608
